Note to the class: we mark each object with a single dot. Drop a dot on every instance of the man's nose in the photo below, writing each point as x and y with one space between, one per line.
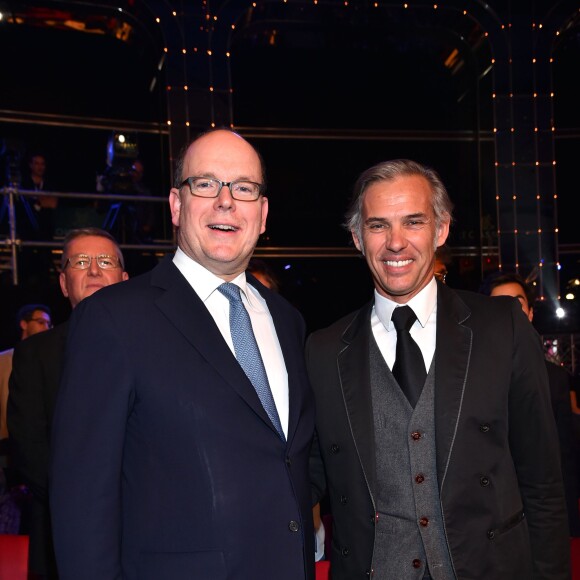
224 197
94 269
395 238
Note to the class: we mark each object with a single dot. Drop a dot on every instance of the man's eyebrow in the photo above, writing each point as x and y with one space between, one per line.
411 216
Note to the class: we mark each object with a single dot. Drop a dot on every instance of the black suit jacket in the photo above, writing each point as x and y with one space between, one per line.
560 387
497 452
33 386
165 464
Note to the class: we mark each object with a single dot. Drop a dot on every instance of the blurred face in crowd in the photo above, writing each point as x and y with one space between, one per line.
137 171
263 279
515 290
219 233
440 270
38 322
400 235
77 284
37 166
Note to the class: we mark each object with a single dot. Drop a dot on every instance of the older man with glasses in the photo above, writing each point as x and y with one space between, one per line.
91 260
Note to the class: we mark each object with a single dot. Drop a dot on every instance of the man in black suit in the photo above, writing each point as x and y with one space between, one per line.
166 464
91 260
560 380
462 480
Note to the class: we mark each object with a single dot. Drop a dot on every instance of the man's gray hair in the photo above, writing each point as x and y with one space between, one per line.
389 171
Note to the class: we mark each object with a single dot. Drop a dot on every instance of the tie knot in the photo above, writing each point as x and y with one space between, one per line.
230 291
403 318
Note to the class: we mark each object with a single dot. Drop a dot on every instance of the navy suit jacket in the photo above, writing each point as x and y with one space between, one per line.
165 464
497 455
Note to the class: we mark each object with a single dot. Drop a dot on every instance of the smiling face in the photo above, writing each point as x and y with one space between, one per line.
219 233
400 235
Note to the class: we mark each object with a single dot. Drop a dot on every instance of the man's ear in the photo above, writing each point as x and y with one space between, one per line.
175 205
442 232
358 243
62 282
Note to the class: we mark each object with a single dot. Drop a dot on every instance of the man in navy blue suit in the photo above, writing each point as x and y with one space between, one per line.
165 463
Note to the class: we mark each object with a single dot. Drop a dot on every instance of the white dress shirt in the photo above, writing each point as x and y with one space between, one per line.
205 284
423 331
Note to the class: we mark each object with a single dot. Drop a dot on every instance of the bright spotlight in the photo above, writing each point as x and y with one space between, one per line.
560 312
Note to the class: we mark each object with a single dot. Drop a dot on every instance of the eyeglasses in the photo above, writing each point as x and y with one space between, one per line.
83 262
42 321
209 187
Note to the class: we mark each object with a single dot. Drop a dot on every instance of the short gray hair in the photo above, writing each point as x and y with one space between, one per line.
388 171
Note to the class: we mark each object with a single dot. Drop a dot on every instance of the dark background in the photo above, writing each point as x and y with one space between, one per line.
322 90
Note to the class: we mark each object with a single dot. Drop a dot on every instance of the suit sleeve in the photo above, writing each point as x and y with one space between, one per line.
560 387
87 446
535 450
317 473
28 421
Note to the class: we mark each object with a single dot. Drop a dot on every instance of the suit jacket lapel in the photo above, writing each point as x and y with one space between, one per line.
454 342
354 371
184 309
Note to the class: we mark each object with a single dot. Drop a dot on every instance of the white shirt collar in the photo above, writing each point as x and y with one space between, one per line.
205 282
422 304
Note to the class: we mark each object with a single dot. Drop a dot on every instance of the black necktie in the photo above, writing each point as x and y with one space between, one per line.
409 367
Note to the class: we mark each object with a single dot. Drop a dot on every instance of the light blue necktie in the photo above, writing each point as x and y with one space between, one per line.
248 353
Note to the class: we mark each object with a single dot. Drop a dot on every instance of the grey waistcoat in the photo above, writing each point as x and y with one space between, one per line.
409 531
